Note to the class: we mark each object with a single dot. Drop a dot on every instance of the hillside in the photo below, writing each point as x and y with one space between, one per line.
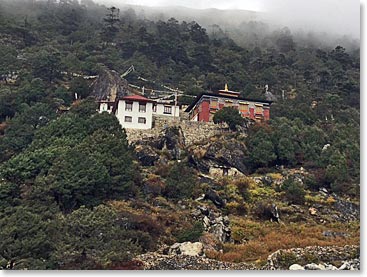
79 192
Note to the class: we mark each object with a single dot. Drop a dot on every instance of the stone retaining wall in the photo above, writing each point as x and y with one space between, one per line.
193 131
328 254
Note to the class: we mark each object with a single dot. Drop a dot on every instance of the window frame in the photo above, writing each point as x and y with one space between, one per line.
130 103
145 120
128 117
165 108
142 105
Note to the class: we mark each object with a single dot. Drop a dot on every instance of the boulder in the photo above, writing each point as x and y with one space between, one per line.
345 266
199 164
330 267
110 86
267 180
206 222
312 266
172 138
187 248
228 153
146 155
214 197
296 267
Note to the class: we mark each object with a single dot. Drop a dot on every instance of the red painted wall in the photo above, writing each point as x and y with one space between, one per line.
266 114
205 111
252 113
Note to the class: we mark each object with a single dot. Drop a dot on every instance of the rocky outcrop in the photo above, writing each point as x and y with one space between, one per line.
346 265
155 261
171 140
222 155
327 260
229 153
187 248
214 197
326 257
146 155
110 86
214 223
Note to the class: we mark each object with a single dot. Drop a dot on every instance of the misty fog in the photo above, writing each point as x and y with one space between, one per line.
328 22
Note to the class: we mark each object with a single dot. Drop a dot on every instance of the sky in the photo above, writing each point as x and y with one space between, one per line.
335 16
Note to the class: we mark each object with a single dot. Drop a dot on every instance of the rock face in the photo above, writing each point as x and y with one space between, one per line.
110 86
214 223
222 154
230 153
171 140
146 155
187 248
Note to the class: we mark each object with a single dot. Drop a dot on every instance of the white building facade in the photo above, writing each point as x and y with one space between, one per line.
106 106
135 112
166 109
138 112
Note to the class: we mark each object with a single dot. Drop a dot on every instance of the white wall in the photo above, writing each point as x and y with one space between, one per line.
103 107
135 114
160 110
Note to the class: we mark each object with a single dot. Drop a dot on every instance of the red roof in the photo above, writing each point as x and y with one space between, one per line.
138 98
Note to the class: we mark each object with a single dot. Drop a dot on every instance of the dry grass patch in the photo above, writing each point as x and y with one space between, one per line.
263 238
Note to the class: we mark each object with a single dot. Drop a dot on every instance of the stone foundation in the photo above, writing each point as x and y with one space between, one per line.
194 131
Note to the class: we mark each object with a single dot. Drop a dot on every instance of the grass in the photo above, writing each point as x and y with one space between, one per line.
264 238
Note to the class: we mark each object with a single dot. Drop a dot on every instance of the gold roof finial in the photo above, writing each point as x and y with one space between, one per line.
226 87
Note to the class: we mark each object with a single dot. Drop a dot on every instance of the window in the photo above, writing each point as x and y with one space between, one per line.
167 110
129 106
154 107
259 110
142 108
142 120
128 119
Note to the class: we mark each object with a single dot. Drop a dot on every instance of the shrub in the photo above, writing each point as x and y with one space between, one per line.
162 170
154 185
330 200
264 210
191 234
294 192
309 258
180 182
311 183
286 259
238 234
237 208
243 185
229 115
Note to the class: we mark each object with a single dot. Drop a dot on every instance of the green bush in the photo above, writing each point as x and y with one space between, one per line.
285 260
192 234
229 115
294 191
180 182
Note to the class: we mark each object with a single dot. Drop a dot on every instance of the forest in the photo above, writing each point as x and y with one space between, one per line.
68 180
